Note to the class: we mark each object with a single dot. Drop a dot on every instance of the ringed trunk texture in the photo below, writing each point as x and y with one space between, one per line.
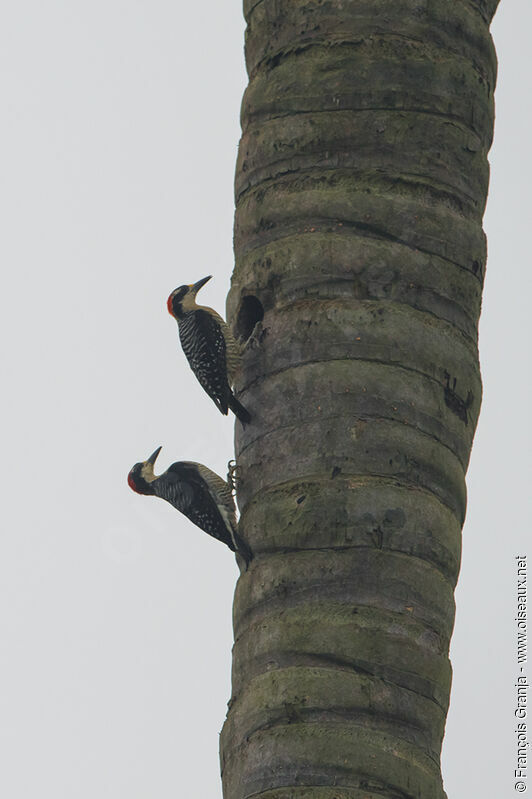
361 183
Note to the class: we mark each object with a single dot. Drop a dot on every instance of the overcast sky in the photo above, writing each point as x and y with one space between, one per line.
120 124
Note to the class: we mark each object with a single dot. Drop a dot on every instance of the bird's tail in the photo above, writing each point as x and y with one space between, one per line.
239 410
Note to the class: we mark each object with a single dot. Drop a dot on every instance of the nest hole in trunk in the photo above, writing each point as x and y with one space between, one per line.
249 313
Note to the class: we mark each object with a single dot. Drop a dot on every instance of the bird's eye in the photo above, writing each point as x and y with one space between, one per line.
177 294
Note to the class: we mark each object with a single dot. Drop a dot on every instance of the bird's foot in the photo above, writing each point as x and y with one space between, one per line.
232 474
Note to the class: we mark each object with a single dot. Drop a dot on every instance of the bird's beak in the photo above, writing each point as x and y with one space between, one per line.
196 286
153 456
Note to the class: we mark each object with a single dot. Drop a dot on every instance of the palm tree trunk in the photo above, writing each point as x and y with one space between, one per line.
361 184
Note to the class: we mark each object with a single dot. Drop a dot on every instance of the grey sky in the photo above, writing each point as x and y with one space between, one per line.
120 130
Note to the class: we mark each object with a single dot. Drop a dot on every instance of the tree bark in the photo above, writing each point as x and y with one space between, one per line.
361 183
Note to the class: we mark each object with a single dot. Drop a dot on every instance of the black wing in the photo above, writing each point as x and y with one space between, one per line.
187 492
203 343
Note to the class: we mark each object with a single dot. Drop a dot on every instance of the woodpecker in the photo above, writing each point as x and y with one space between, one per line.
200 494
209 345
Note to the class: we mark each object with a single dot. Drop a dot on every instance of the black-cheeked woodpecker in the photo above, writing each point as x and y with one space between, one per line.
197 492
210 347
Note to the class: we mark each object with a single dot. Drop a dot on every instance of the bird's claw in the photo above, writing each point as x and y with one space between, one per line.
232 474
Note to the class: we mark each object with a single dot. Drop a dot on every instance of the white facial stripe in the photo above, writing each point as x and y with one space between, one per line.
188 303
147 472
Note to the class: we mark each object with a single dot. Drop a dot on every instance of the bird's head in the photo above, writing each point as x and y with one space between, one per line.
183 299
141 476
